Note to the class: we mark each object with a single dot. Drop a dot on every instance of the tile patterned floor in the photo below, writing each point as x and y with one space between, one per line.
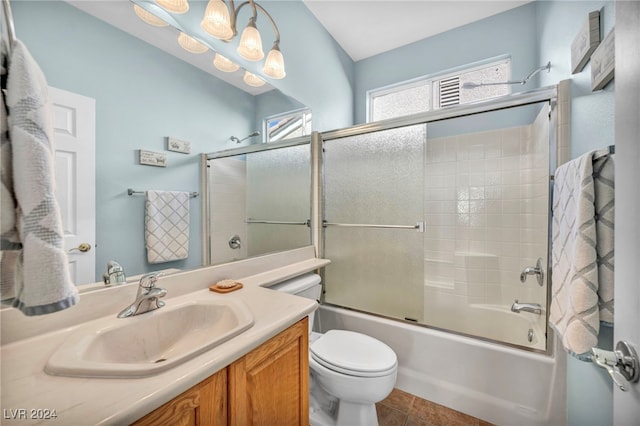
404 409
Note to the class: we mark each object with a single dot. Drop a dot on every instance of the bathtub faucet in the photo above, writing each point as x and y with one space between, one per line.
534 308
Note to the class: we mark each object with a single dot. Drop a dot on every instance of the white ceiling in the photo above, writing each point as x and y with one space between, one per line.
366 28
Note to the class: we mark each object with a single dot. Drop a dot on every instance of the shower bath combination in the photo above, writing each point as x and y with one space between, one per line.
237 140
479 180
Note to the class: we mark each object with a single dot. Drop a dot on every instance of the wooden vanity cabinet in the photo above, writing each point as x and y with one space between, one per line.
205 404
267 386
270 385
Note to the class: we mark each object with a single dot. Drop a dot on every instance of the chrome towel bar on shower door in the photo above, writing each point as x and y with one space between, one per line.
277 222
419 226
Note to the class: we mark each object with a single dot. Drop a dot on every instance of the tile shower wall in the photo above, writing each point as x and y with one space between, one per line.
228 187
487 213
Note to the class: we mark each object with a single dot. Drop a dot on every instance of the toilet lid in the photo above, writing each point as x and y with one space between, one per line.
352 353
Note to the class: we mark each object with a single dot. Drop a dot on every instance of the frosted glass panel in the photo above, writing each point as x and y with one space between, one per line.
278 189
402 102
375 179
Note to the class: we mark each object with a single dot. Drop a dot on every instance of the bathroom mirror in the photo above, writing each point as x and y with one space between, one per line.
143 94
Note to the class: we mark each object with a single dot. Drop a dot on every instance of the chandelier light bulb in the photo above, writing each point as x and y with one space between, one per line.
190 44
252 79
250 46
148 17
274 64
216 20
224 64
174 6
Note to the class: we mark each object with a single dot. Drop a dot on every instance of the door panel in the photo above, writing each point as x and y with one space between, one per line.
375 180
74 130
626 405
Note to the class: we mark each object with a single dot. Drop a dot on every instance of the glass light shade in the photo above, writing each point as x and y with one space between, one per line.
274 64
250 46
224 64
216 20
252 79
149 17
190 44
174 6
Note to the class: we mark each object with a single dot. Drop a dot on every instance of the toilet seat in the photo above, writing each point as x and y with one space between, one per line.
354 354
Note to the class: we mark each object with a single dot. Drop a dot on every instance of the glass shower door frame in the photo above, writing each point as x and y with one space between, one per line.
547 94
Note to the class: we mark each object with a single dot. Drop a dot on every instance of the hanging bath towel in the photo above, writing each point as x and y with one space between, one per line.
167 226
582 252
40 271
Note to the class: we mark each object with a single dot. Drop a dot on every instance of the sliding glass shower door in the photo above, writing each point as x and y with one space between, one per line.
373 213
435 222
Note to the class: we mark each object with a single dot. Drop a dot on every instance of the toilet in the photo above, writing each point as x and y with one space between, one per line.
349 371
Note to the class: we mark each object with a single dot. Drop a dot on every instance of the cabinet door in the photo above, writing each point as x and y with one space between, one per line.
270 385
205 404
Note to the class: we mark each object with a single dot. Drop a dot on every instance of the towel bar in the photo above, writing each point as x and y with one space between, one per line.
419 226
276 222
132 192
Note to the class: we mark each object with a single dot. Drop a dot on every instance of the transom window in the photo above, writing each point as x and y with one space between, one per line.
287 125
440 91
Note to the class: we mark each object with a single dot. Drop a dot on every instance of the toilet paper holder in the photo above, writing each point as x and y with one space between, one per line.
624 358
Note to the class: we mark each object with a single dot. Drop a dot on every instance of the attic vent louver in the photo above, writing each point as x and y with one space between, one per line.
449 91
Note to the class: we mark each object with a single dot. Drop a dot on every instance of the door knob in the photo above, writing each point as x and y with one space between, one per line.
83 247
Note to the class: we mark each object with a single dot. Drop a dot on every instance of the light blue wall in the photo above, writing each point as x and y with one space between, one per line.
142 95
589 389
512 33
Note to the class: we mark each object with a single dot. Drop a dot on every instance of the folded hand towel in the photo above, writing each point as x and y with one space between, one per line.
576 279
45 285
167 226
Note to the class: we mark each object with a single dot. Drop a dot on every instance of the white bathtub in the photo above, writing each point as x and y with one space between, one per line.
493 322
499 384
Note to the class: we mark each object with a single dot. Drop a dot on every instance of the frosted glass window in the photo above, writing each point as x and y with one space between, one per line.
492 74
375 179
400 102
439 91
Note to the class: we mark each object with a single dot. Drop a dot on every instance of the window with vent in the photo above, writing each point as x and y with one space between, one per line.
440 91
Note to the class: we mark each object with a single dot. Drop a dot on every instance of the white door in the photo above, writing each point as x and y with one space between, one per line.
626 405
75 139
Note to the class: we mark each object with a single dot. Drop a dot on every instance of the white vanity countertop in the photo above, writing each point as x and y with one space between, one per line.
29 392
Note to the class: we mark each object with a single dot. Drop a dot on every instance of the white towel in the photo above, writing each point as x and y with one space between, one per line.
44 286
581 286
167 226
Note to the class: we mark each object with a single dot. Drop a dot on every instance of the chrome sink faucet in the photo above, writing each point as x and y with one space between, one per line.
534 308
148 297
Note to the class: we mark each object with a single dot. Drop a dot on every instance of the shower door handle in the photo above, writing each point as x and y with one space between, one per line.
419 226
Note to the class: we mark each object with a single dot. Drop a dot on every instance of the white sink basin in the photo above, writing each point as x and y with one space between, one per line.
149 343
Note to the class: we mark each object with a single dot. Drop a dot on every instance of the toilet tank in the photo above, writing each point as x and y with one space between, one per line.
307 285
